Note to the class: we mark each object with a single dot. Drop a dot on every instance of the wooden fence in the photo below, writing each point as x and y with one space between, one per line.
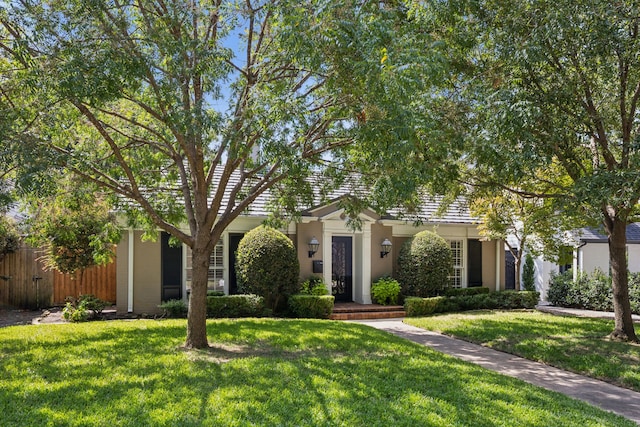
24 283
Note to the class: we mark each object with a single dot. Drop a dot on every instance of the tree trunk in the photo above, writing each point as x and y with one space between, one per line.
624 329
517 261
197 317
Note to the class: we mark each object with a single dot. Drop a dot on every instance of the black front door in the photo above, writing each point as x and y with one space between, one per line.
171 269
474 258
341 269
234 241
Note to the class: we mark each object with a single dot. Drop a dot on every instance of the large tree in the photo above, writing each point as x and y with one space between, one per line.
552 90
192 109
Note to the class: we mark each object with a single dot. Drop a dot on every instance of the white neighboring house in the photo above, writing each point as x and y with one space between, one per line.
590 252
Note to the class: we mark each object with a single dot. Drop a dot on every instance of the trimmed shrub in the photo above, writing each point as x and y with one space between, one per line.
529 274
453 292
267 265
236 306
385 291
529 299
560 288
311 306
596 292
424 265
591 291
174 308
475 302
314 285
415 306
215 293
506 300
510 300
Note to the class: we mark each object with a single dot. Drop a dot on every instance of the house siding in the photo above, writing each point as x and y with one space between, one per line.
489 265
306 231
146 275
367 264
381 266
122 253
593 256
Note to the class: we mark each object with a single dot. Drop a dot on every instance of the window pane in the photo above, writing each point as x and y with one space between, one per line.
455 279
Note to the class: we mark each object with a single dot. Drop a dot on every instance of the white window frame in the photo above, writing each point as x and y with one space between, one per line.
457 276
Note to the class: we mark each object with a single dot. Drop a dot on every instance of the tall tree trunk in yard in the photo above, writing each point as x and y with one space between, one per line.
197 317
623 329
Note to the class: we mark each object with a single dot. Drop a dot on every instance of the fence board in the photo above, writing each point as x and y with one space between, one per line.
99 281
23 281
25 284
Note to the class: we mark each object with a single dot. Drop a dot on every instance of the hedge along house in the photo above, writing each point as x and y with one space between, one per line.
349 261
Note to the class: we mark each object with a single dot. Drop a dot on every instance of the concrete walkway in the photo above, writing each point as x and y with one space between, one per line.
598 393
563 311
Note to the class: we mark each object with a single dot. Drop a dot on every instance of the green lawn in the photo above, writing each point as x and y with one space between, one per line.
575 344
258 372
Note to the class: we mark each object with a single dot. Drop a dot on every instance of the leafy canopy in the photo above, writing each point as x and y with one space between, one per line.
75 227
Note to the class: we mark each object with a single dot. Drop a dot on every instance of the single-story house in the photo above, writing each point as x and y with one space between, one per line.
349 261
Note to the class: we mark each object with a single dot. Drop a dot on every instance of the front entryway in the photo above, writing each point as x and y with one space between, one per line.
342 268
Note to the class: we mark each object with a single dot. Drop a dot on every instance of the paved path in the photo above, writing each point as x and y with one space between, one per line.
562 311
598 393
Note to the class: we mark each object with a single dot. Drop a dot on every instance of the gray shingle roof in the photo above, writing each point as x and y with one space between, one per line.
593 235
427 212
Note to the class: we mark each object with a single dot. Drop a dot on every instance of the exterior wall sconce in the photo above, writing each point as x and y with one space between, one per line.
313 246
386 248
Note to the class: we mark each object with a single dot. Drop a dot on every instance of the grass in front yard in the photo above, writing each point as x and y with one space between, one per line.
258 372
576 344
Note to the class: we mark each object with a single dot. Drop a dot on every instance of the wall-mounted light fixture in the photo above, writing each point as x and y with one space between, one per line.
386 248
313 246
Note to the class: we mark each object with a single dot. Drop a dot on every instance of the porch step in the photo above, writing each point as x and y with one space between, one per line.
353 311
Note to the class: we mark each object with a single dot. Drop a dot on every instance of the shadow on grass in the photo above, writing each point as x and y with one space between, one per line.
579 345
257 372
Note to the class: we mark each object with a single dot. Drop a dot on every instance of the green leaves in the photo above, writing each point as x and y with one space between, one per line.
75 227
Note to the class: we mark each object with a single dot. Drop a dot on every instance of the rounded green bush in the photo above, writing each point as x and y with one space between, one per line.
267 265
424 265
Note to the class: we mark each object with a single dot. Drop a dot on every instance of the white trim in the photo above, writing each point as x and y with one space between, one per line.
327 256
465 263
130 267
225 261
498 254
366 263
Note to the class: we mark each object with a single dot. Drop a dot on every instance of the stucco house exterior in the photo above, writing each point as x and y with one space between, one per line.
592 250
349 261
